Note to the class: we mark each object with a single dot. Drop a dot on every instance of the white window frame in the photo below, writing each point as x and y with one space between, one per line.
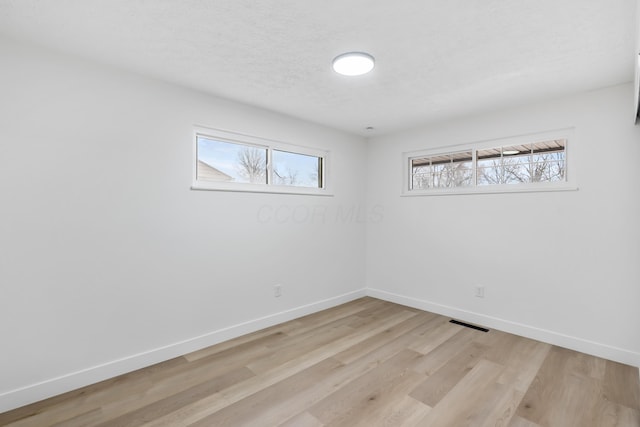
569 183
269 145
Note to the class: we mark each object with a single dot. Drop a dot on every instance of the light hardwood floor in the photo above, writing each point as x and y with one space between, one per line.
365 363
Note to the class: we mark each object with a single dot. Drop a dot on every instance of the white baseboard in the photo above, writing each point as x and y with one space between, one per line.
54 386
585 346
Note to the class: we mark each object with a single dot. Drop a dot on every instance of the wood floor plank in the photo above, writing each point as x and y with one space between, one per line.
351 309
545 389
375 306
353 369
260 338
588 366
597 410
140 388
205 407
298 348
446 350
339 407
391 407
376 313
523 366
521 422
436 386
176 400
291 404
86 399
261 408
501 399
94 416
500 406
508 349
433 337
304 419
383 338
365 363
560 395
430 325
617 388
615 415
405 412
211 373
462 404
292 328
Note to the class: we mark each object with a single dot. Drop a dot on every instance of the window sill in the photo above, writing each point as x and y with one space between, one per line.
269 189
488 190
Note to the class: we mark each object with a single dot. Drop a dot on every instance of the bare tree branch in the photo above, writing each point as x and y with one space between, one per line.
253 164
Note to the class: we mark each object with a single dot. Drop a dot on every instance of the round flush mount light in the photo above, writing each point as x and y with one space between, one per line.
353 63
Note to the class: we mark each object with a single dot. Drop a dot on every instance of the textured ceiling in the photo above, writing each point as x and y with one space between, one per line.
435 59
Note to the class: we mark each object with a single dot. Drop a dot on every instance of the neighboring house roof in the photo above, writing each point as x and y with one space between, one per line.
207 172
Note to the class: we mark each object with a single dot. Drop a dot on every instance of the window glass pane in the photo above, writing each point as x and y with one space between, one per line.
420 176
537 162
228 161
298 170
483 177
489 163
517 159
490 171
548 171
442 171
548 161
516 168
490 175
552 156
460 173
516 174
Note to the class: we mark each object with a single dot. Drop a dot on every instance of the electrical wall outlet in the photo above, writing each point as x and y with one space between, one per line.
480 291
277 291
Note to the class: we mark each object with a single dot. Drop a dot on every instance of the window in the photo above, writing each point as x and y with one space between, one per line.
531 163
233 162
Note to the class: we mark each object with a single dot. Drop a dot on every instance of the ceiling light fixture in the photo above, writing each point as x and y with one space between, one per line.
353 63
510 152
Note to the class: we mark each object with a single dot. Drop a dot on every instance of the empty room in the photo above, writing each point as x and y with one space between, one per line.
330 213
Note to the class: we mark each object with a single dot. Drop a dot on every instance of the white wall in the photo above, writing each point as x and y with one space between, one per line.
109 262
562 267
